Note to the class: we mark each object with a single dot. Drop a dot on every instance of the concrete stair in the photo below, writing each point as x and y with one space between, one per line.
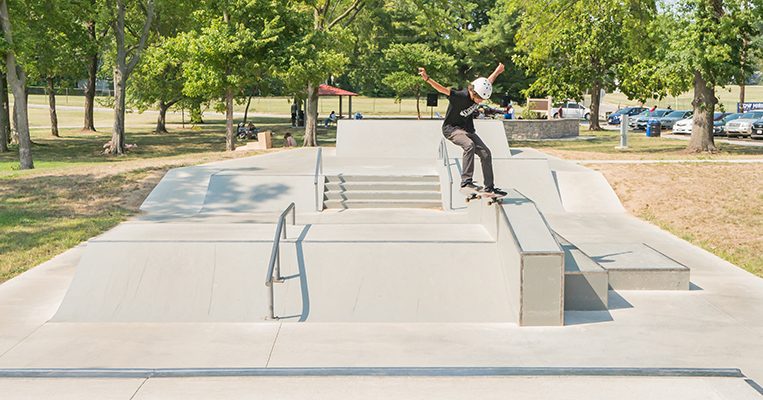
371 191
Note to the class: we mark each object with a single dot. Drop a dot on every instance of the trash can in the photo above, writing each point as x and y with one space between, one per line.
653 128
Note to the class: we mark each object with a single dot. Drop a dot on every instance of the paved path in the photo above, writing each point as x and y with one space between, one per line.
714 325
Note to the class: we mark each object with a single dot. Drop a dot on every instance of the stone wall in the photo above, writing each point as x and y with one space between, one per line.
522 129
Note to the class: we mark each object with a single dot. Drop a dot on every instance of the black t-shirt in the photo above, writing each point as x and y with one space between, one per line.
460 114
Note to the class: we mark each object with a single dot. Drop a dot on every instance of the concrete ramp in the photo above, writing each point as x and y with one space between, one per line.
409 138
207 272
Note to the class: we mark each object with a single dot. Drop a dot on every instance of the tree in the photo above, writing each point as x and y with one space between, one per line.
230 52
322 52
702 55
5 120
97 26
158 80
17 80
577 47
54 47
127 57
405 58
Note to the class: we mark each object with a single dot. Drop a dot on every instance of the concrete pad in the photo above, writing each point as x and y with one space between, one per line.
254 193
541 388
65 389
387 166
138 345
587 192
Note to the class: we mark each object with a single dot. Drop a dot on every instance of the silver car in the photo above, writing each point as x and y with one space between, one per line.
742 126
667 121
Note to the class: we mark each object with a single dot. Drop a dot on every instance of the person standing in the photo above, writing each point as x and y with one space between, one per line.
294 109
458 127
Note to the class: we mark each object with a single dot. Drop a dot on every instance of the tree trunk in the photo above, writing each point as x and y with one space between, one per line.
418 107
741 90
230 134
704 106
311 117
52 104
17 79
117 144
92 72
246 110
5 123
122 69
595 105
161 123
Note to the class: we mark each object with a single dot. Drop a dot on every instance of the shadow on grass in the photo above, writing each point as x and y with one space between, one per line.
45 215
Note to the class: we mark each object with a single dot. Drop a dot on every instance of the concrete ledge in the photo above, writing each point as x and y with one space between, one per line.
638 267
522 129
530 256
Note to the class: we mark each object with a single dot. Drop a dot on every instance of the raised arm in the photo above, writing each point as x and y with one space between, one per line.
440 88
498 71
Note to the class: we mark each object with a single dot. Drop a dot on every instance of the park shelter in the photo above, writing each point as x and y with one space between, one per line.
328 90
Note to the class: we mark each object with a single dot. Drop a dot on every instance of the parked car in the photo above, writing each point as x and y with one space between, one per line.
742 126
757 130
671 118
617 116
684 126
721 120
643 118
571 109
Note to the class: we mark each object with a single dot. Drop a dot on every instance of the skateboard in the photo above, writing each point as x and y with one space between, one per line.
472 194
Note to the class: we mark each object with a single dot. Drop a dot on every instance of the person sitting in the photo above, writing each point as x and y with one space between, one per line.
331 118
509 114
251 131
241 130
288 140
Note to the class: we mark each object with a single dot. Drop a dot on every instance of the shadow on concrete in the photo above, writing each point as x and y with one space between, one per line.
303 274
617 302
224 195
693 286
586 317
602 259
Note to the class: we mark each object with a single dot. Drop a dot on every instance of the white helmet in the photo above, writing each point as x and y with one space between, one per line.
482 87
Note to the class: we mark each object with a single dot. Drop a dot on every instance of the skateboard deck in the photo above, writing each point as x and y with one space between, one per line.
472 194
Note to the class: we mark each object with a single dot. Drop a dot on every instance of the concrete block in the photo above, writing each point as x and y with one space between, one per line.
636 266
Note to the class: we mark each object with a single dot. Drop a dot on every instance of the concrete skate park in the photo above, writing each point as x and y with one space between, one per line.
361 269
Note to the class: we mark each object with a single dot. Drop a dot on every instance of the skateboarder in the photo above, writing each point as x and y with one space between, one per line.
459 127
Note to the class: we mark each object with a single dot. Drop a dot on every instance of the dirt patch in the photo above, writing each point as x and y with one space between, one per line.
716 206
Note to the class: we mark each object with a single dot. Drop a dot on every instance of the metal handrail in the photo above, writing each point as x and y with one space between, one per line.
275 255
446 164
318 169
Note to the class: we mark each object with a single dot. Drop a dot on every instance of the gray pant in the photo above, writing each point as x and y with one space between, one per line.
472 143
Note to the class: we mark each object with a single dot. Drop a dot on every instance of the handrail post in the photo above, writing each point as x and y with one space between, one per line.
274 266
318 172
446 164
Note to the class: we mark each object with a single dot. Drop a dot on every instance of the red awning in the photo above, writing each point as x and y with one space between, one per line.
326 90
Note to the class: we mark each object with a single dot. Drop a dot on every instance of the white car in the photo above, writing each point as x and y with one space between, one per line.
742 126
571 109
683 126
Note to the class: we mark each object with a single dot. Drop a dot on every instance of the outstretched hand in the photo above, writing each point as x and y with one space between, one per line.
500 68
423 73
